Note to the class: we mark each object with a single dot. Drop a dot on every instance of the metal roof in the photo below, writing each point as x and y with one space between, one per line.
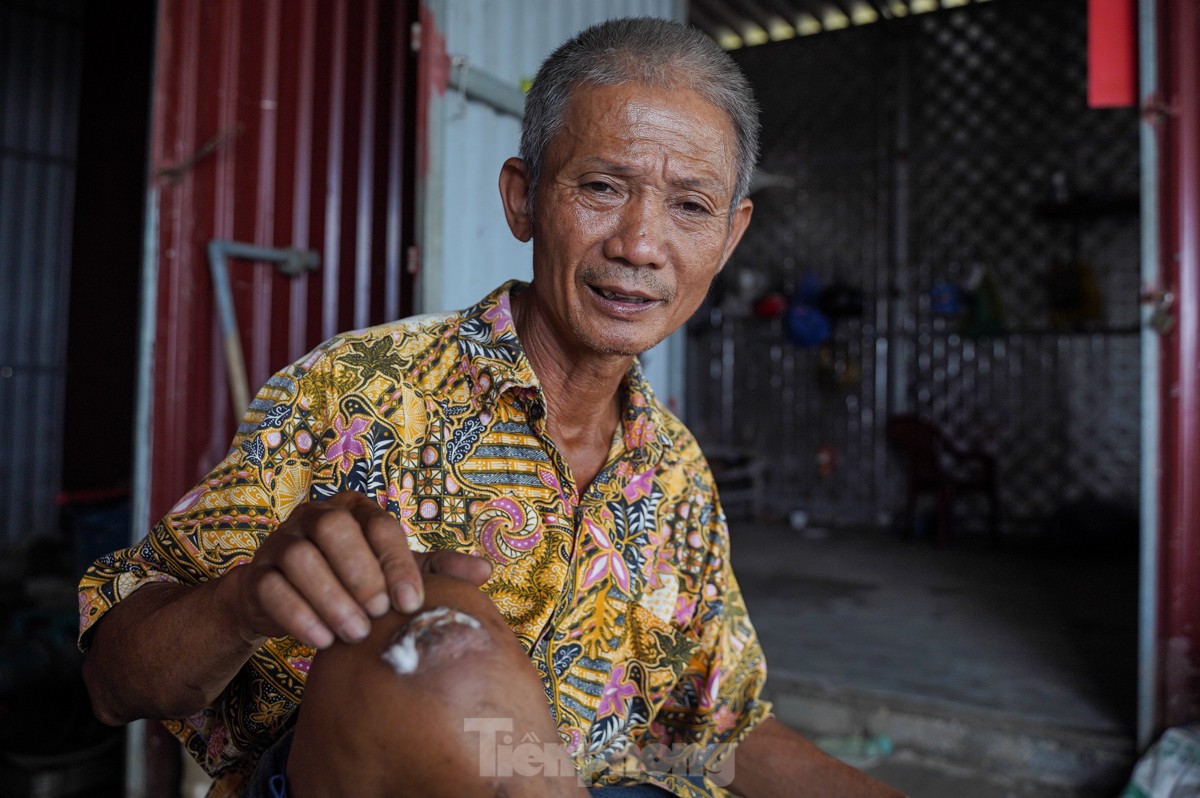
741 23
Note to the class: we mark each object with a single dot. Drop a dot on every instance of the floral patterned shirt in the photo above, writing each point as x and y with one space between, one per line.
623 596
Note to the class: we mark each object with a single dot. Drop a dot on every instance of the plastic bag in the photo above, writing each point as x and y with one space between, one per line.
1170 769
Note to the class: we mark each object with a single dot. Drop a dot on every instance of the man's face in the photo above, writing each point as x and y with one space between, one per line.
631 220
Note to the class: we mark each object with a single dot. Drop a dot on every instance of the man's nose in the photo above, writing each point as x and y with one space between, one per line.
640 237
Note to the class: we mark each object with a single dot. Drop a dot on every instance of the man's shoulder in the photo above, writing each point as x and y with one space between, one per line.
391 340
427 326
416 333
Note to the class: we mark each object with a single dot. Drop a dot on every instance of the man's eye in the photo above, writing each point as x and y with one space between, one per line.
598 186
692 207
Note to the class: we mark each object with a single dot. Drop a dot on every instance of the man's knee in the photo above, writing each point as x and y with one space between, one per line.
402 701
457 630
416 666
432 637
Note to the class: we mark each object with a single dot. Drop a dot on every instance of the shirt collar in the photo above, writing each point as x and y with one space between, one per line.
489 336
644 423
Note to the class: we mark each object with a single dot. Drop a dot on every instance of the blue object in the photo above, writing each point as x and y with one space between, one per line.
945 299
806 326
809 290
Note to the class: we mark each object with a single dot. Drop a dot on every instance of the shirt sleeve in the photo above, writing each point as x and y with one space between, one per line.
717 701
297 443
222 520
338 420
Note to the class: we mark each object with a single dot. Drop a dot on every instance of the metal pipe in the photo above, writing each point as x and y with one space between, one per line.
1148 567
290 262
479 84
902 288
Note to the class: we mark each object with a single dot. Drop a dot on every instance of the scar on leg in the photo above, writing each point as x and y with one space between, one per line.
436 633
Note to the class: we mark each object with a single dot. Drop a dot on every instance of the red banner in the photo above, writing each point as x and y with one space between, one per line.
1112 53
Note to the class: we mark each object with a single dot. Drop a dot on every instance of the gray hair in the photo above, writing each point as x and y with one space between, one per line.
655 52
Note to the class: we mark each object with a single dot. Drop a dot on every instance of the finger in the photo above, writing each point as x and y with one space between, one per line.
469 567
285 606
339 534
312 577
400 571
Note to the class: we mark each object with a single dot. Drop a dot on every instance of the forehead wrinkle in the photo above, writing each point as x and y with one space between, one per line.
690 182
603 164
698 183
637 135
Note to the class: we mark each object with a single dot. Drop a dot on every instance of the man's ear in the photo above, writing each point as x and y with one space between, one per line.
738 222
514 193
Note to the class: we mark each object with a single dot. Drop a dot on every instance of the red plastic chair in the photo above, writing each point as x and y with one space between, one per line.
934 465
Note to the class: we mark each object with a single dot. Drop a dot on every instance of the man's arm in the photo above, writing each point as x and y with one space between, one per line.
168 650
773 760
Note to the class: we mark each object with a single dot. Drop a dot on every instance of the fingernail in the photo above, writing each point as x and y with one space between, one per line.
355 629
378 605
408 598
320 637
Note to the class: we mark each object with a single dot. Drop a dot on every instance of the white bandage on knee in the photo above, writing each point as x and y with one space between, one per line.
431 632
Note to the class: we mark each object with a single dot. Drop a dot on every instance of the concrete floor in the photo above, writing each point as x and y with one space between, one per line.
1005 671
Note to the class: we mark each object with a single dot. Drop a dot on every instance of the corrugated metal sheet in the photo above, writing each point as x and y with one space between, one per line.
40 57
281 124
1179 586
741 23
467 248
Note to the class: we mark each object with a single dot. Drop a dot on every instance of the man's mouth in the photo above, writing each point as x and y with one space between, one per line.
617 296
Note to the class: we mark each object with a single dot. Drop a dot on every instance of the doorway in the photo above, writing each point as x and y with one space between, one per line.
950 233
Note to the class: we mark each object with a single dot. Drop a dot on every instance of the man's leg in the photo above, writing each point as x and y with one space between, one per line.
385 717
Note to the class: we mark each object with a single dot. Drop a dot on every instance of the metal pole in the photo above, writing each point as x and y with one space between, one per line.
1147 686
290 262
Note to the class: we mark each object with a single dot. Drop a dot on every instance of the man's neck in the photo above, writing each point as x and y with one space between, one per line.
582 390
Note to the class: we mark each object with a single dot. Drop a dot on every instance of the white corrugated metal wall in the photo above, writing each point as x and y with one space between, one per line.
467 248
40 58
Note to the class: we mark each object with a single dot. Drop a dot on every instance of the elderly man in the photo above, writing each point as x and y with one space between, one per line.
513 446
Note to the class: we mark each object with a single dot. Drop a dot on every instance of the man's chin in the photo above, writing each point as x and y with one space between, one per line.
623 348
622 339
635 351
635 342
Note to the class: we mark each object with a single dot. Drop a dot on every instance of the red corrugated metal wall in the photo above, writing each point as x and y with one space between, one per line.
1179 177
281 123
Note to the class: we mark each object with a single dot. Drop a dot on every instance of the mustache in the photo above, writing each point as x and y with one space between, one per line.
629 278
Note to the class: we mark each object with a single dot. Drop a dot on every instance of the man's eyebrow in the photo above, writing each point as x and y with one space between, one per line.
698 183
604 165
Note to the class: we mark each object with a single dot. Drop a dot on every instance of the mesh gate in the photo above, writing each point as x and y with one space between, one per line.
927 152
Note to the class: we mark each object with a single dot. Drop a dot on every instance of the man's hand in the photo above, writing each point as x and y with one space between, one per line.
773 760
332 566
168 650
